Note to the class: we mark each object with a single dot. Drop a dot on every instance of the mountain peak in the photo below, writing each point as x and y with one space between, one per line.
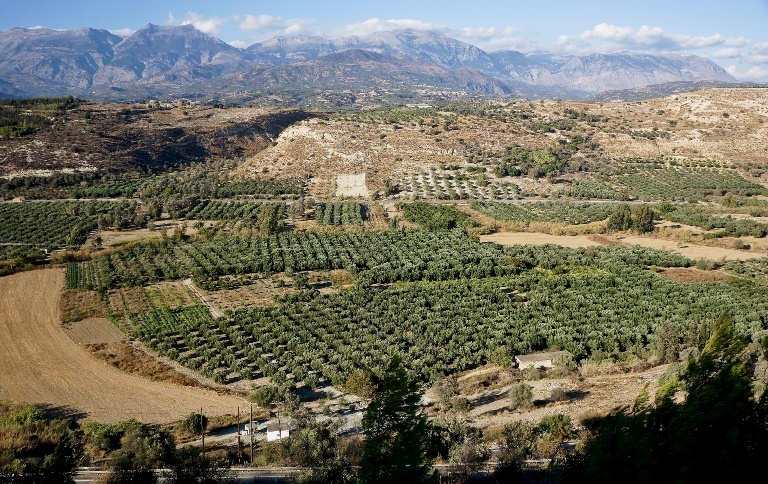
46 61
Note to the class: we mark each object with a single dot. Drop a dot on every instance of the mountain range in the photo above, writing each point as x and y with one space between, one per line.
158 61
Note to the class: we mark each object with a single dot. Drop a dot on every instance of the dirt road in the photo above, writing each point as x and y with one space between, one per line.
41 364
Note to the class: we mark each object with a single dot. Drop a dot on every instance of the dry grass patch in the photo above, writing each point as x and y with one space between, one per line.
94 331
78 305
532 238
130 359
693 275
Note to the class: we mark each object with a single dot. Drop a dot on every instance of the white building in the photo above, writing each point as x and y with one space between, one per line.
278 430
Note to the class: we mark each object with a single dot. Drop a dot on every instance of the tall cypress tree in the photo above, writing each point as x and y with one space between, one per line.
396 430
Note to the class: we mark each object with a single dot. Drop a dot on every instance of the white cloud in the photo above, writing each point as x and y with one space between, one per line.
240 44
272 25
209 25
373 25
749 73
495 38
654 38
727 53
258 22
125 32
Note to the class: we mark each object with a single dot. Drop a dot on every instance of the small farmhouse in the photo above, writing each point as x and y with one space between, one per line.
278 430
540 360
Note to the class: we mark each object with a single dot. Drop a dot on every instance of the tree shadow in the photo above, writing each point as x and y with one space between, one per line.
65 412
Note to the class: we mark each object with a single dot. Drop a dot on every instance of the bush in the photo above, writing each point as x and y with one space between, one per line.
521 396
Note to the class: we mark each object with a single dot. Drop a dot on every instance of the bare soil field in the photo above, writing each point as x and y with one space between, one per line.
94 331
130 359
534 238
691 250
577 241
42 364
692 274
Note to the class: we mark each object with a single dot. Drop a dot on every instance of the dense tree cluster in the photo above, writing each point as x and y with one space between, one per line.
436 217
340 213
376 257
60 223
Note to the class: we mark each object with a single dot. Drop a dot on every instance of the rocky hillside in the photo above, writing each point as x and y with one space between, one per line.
118 137
174 61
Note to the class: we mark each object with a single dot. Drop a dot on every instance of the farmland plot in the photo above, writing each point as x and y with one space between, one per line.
41 364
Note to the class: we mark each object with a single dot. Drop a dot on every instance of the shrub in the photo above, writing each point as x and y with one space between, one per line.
520 396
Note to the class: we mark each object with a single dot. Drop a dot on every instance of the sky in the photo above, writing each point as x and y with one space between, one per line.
732 33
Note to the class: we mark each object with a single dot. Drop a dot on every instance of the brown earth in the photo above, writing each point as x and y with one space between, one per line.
591 396
94 331
692 274
533 238
41 364
78 305
577 241
101 135
127 358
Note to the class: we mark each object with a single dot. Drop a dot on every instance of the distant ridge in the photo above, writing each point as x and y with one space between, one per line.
667 89
180 60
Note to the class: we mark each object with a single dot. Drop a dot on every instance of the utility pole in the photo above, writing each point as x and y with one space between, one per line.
238 435
202 429
250 432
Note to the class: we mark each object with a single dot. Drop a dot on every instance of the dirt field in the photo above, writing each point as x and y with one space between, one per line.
533 238
41 364
93 331
691 274
691 250
576 241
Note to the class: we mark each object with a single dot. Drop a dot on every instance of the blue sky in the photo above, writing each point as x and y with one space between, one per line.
733 33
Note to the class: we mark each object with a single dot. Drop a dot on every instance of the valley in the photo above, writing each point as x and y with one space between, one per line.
193 257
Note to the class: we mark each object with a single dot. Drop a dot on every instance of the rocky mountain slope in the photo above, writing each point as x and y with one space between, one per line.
180 60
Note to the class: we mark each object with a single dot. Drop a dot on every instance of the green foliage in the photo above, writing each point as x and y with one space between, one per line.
520 396
718 432
640 219
594 190
692 214
375 257
517 160
679 183
753 268
396 431
107 437
195 423
58 224
143 448
361 383
502 357
341 213
191 466
24 117
233 210
436 217
584 301
35 447
266 396
559 212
